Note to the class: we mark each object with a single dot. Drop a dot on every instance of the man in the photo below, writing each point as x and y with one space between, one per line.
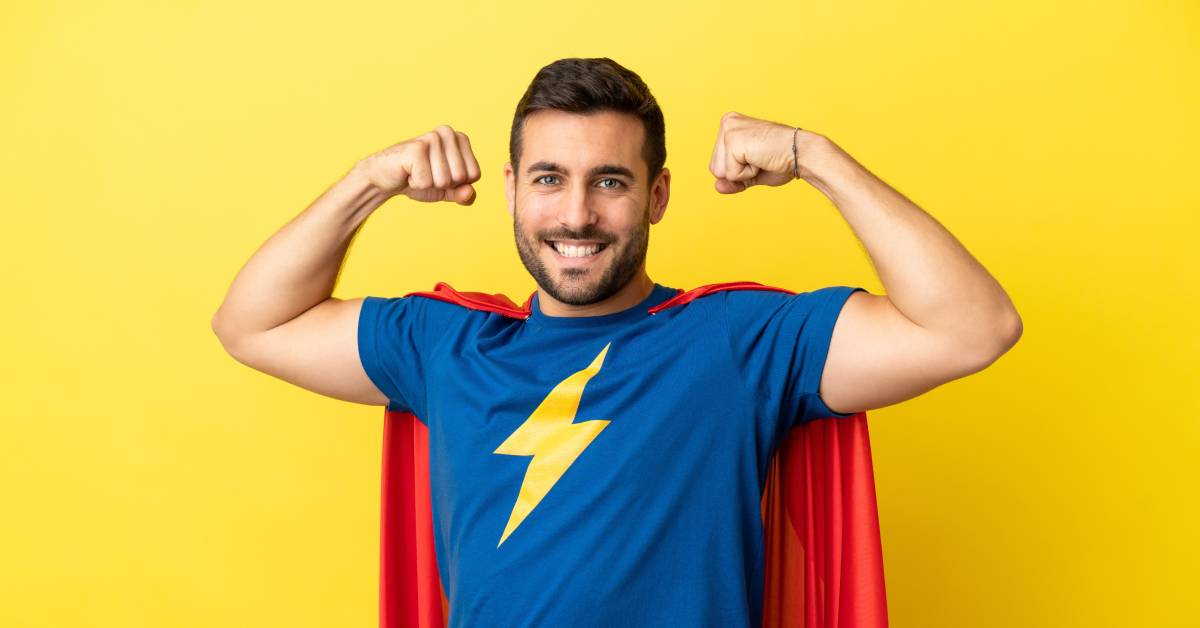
595 464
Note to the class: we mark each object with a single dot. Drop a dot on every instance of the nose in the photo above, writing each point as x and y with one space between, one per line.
576 213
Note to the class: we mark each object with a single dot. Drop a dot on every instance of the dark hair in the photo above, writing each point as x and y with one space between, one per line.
597 84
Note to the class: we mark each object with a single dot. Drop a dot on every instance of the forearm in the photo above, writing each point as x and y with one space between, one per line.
297 267
928 275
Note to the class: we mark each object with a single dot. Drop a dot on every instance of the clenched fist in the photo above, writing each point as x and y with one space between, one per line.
750 152
436 166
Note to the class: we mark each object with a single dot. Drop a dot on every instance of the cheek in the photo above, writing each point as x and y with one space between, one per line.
620 216
536 210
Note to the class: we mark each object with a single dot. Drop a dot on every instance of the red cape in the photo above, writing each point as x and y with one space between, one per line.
824 559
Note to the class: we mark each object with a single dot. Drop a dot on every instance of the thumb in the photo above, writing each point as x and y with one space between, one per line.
463 194
725 186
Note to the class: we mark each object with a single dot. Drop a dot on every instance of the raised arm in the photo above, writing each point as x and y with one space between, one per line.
943 317
279 316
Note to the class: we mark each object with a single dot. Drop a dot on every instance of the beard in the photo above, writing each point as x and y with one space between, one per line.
582 286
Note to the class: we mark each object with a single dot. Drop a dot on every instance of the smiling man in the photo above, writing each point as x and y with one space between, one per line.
585 266
597 458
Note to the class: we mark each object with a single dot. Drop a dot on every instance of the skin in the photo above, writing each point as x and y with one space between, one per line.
563 203
943 315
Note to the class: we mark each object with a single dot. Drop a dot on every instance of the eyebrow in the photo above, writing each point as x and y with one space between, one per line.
549 166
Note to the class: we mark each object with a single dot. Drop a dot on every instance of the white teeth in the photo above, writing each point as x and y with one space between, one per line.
568 250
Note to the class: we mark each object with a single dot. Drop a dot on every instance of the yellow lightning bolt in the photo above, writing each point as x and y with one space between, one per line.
553 439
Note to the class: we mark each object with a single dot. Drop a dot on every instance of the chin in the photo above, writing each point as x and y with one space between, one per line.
577 290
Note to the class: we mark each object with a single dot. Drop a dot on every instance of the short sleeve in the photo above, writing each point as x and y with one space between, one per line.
392 338
780 342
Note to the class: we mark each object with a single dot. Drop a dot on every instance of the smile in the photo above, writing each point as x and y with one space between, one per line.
577 253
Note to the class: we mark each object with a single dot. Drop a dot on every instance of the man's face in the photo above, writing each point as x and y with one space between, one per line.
583 185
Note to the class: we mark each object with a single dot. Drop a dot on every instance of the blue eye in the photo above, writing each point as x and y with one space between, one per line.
618 182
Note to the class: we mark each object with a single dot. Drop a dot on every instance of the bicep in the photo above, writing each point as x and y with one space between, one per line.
317 351
878 357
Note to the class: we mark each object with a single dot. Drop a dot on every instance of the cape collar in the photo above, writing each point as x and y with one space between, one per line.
501 304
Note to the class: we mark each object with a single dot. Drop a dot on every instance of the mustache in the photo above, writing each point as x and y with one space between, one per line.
583 235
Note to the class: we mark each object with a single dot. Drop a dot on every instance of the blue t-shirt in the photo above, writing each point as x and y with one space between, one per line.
603 470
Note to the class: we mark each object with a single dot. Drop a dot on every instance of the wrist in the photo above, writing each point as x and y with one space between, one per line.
355 196
821 161
360 180
812 152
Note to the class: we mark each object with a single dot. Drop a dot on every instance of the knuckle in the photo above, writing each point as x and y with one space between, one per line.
419 177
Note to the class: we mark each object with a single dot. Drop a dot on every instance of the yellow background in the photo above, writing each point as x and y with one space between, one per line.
149 148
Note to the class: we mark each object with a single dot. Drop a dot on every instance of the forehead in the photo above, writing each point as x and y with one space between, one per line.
581 141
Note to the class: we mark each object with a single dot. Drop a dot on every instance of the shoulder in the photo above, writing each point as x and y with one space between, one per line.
432 313
747 309
445 298
720 292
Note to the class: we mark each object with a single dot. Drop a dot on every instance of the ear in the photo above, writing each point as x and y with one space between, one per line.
510 186
659 195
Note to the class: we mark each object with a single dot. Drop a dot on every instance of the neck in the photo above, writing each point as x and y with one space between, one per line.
633 293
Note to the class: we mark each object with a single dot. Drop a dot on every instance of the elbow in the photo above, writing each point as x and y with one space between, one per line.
218 327
1016 328
1010 330
1001 339
226 338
